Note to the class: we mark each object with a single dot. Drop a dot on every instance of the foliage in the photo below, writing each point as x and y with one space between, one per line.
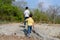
10 13
40 16
57 20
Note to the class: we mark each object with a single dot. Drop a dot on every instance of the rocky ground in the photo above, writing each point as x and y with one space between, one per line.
11 37
15 31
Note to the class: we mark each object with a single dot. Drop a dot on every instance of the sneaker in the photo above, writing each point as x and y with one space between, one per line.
29 36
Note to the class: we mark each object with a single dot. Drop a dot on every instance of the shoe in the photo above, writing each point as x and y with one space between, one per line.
29 36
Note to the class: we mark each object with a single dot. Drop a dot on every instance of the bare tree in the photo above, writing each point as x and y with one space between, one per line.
40 6
53 12
20 3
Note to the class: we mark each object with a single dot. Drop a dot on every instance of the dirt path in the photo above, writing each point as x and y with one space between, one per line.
16 31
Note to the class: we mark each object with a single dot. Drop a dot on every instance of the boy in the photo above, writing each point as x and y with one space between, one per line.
30 24
26 14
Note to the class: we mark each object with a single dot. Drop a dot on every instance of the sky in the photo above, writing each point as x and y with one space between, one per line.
46 3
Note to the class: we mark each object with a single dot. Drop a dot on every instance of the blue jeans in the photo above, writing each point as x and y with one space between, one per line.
29 30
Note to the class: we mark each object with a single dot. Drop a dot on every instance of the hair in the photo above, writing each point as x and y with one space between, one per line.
26 8
30 15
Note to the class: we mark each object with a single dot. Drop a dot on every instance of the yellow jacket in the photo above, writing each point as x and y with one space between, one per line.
30 21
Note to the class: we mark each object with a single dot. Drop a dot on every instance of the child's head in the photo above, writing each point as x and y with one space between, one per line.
26 8
30 15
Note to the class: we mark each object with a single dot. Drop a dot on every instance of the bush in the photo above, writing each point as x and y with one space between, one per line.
39 16
10 13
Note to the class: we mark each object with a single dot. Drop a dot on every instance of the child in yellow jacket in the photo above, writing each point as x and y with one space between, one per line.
30 24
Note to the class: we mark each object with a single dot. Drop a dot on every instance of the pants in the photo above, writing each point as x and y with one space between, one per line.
29 30
25 21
